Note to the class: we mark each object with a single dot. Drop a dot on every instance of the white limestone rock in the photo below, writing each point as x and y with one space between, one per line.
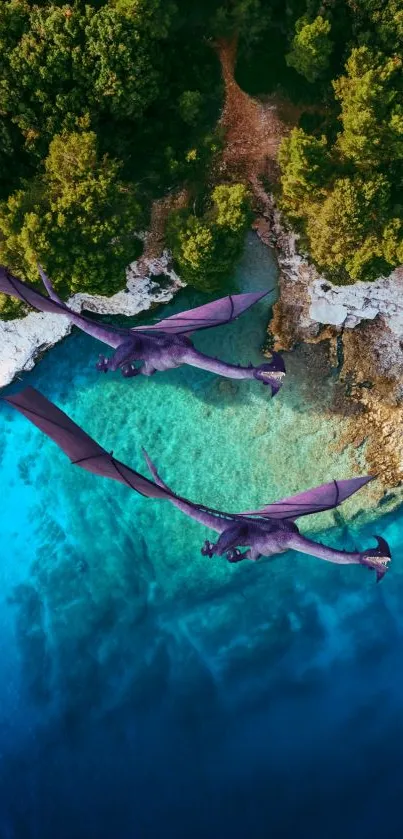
23 339
323 311
318 301
348 305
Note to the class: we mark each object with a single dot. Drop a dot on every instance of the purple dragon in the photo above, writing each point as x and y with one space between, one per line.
162 346
265 532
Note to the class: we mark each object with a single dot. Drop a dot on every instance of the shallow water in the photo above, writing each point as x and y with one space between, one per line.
157 693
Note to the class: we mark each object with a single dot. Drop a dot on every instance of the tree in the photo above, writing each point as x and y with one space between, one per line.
310 48
45 87
14 20
231 208
207 249
379 22
305 168
244 18
73 61
153 16
121 64
78 220
190 102
10 308
371 108
392 244
349 233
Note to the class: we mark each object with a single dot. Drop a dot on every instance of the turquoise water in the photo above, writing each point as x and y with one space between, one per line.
151 692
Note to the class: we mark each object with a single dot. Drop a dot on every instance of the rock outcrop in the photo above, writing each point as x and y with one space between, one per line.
363 324
23 340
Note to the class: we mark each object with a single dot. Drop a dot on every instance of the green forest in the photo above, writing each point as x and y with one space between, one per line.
107 105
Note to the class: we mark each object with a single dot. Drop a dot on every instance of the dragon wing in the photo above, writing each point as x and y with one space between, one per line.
79 447
323 497
212 314
83 451
225 310
14 287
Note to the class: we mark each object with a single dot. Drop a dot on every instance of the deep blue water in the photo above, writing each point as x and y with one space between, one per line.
158 694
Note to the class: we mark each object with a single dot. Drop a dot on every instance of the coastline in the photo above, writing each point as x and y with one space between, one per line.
23 340
362 327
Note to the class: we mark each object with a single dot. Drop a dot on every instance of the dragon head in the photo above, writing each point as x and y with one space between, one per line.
272 373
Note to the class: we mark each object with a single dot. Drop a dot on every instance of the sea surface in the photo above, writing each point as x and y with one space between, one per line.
146 691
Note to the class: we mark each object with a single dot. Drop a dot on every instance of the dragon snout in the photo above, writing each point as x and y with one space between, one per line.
378 559
272 373
277 362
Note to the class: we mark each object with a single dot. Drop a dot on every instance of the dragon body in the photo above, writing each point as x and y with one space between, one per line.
268 531
162 346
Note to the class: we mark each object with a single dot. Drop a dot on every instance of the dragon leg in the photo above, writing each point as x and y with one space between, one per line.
235 555
208 549
147 369
129 370
124 355
102 364
232 536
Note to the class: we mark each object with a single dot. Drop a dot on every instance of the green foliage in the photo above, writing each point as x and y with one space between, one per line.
305 164
77 220
372 108
103 105
10 308
70 63
231 208
106 104
392 241
12 159
44 86
379 22
120 63
189 106
349 233
345 192
14 20
311 48
153 16
207 249
239 17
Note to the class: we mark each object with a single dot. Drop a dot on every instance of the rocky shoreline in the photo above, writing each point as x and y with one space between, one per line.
361 324
24 339
363 327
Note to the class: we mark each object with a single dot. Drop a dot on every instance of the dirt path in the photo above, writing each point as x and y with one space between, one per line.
253 129
253 132
155 239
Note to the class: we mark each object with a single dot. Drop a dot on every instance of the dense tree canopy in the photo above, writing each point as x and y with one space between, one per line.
306 165
347 230
71 62
102 107
371 101
207 248
107 104
78 220
311 48
344 186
